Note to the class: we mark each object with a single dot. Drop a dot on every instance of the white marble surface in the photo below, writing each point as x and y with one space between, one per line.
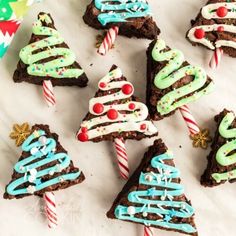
81 209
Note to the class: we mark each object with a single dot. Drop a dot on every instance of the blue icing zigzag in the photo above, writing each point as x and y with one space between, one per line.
42 150
114 11
165 208
3 50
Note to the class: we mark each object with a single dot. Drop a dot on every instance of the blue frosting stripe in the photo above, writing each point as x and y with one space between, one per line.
44 153
165 207
114 11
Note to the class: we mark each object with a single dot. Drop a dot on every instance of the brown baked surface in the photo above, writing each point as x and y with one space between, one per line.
21 73
143 27
154 94
70 169
158 148
213 166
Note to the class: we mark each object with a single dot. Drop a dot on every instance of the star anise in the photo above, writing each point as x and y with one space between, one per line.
20 133
99 40
201 139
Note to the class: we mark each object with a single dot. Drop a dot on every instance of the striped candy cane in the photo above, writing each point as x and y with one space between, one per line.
122 158
50 209
148 231
108 40
48 93
216 58
189 119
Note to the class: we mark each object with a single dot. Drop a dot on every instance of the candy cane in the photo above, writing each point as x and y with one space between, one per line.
48 93
122 158
50 209
108 40
189 119
148 231
216 58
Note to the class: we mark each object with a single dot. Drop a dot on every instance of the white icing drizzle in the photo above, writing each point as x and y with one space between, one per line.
124 122
210 12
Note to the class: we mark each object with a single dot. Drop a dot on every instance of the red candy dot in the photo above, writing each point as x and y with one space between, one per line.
102 85
84 129
143 126
131 106
127 89
82 137
112 114
222 11
98 108
199 33
220 29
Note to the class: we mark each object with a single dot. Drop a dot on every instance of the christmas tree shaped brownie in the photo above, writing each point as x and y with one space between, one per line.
222 159
215 26
115 113
133 17
44 165
154 196
171 81
47 57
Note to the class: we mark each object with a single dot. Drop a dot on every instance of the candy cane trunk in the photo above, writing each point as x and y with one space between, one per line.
48 93
50 209
216 58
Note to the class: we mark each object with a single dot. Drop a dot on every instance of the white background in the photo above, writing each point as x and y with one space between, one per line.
81 209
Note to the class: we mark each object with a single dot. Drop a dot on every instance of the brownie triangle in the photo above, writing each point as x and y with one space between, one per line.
171 81
44 166
154 196
222 158
214 27
132 17
114 112
48 57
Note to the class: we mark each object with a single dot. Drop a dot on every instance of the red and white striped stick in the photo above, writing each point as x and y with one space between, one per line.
148 231
216 58
48 93
50 209
190 120
108 40
122 158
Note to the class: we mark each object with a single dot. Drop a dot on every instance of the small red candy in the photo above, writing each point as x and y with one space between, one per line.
82 137
102 85
143 126
222 11
131 106
220 29
127 89
84 130
98 108
112 114
199 33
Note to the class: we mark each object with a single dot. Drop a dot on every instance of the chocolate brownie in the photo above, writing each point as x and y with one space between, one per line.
35 173
115 113
221 160
132 22
48 57
171 81
214 27
152 195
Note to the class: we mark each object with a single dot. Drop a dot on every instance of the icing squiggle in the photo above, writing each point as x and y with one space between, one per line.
164 209
210 12
42 150
113 11
172 73
222 155
131 116
55 68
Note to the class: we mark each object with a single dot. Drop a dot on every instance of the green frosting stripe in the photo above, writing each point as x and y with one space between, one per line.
56 68
223 156
172 73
